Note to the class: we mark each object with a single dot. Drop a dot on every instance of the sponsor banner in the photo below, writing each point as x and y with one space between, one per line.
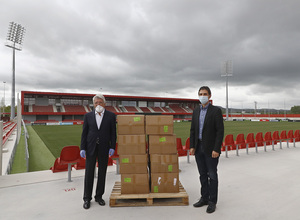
59 123
66 123
52 123
78 123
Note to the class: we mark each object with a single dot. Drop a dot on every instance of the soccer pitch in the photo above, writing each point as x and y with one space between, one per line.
45 139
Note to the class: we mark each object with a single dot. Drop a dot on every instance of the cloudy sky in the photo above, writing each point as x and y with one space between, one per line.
161 48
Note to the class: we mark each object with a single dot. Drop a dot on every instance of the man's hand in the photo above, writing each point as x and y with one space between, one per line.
82 153
215 154
192 151
111 152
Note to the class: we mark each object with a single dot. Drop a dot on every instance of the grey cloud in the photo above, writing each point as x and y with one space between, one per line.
157 47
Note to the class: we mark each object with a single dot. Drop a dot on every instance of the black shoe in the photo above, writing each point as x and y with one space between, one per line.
211 207
200 203
86 204
101 202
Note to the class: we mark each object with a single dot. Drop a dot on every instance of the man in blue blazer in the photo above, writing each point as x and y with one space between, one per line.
206 136
98 141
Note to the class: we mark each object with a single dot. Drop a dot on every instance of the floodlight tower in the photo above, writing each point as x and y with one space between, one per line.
227 71
14 40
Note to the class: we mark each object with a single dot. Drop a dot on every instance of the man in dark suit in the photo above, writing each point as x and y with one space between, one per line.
206 136
98 141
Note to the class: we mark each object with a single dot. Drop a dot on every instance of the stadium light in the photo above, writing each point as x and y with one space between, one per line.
14 40
227 71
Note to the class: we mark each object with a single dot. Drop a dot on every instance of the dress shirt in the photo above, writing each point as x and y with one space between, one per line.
203 112
99 118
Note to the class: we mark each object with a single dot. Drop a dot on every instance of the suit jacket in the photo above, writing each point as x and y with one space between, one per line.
213 130
106 133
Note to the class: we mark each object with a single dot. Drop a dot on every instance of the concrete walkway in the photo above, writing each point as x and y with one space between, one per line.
255 186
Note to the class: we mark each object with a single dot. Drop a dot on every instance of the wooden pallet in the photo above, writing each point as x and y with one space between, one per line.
152 199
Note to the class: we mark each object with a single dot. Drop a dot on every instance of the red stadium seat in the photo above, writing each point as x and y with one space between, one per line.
176 108
57 167
47 108
80 165
187 144
180 150
250 141
291 137
110 162
228 143
259 141
239 143
74 108
297 136
283 137
69 155
267 139
186 148
275 138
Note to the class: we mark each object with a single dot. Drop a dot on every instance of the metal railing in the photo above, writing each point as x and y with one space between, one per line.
26 136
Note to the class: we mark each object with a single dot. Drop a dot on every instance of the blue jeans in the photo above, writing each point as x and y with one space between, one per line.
207 167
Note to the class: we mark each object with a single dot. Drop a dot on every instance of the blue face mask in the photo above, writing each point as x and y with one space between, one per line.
203 99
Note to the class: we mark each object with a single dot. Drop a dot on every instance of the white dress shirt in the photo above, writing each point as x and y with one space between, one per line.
99 118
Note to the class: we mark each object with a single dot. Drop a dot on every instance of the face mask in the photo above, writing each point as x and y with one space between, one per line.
99 109
203 99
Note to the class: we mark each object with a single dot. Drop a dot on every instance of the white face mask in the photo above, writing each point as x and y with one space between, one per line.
203 99
99 109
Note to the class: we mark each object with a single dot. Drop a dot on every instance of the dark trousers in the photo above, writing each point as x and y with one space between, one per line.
207 167
102 155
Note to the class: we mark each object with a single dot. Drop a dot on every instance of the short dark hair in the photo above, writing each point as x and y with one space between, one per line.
205 88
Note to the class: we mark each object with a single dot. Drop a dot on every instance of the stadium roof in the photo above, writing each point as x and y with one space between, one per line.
54 95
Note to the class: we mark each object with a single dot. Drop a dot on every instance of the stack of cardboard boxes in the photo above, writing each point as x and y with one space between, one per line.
134 131
163 154
132 154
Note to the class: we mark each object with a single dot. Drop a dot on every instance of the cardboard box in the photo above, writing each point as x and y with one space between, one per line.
131 144
162 144
164 163
159 124
164 182
134 184
131 124
133 164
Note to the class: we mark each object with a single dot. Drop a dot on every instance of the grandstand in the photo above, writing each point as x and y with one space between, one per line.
42 107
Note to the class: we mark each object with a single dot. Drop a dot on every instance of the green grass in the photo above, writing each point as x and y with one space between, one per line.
40 158
19 163
46 142
56 137
182 130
